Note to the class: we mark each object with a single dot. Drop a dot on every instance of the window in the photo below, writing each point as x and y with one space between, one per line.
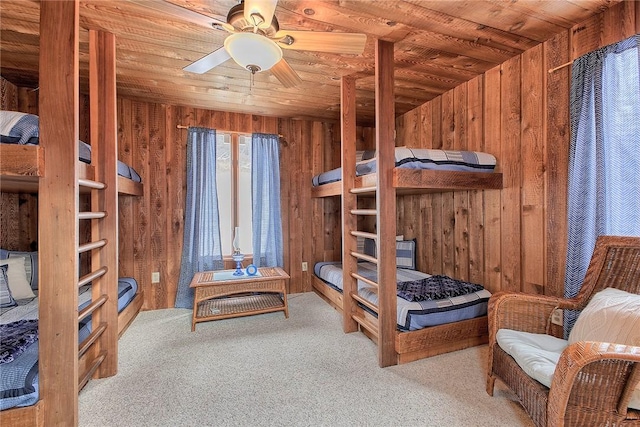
233 176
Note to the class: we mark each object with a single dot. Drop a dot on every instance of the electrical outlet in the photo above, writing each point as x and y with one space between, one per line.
556 317
155 277
305 266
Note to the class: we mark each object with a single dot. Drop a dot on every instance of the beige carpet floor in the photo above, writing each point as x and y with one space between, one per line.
270 371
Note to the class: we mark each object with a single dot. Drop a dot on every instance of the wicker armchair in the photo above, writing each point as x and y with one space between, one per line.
593 381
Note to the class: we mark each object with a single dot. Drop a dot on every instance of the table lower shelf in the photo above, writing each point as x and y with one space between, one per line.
246 305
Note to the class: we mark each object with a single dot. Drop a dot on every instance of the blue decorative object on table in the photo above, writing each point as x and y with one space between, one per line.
238 257
252 270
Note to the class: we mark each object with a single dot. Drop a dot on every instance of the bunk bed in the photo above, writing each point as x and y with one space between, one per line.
77 332
375 311
417 170
23 160
20 354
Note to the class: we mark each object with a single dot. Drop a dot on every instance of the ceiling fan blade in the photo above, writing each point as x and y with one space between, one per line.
265 8
285 74
351 43
208 62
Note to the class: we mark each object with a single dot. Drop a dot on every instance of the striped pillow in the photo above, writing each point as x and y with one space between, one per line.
405 252
6 299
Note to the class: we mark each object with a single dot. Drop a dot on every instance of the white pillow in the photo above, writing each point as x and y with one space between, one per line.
17 277
611 316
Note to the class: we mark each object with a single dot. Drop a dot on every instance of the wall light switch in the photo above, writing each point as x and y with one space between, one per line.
155 277
305 266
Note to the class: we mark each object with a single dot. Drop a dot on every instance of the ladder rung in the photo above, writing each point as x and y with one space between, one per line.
364 257
92 338
91 184
364 212
364 302
360 190
364 234
92 369
91 245
365 280
92 307
91 215
367 324
91 276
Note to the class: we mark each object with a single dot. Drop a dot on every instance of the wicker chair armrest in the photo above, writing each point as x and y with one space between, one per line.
523 312
607 386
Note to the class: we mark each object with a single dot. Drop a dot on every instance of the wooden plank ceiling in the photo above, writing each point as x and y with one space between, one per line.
438 45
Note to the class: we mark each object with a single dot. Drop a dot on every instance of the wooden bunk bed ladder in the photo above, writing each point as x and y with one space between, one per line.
378 322
96 348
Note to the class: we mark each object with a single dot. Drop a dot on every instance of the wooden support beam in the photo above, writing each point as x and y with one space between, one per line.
349 200
386 203
102 98
57 219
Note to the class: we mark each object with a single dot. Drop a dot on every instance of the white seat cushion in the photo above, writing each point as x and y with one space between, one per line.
538 354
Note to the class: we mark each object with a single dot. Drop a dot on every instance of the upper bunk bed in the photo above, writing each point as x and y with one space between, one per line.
417 171
23 160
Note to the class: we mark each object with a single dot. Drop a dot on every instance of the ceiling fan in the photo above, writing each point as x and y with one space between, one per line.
256 42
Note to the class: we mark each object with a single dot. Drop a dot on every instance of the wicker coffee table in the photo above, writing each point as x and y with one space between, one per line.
219 295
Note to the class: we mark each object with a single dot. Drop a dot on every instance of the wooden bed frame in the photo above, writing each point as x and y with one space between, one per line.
22 167
419 181
393 346
53 171
427 342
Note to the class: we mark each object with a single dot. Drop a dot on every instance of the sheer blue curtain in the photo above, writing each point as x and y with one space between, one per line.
201 249
604 160
265 189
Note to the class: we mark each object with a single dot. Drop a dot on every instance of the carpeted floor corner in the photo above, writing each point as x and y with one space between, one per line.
270 371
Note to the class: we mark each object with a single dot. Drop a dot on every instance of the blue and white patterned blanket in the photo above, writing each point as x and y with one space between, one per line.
411 315
19 377
435 288
16 337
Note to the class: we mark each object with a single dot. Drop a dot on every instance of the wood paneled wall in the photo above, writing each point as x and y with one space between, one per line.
151 226
513 239
18 212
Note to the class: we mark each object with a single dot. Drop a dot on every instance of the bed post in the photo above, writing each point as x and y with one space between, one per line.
103 109
386 204
58 208
349 200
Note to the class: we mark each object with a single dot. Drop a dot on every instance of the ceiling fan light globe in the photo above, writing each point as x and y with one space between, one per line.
249 49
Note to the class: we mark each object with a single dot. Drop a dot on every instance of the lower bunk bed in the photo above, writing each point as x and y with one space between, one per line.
19 344
441 315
